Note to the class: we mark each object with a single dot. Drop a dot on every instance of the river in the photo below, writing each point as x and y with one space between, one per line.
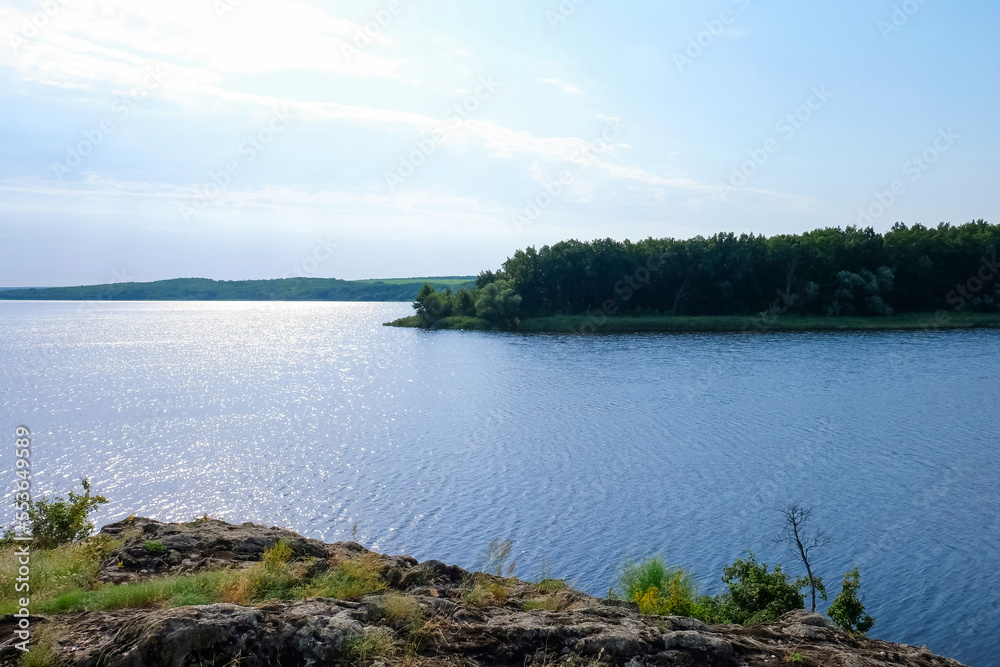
584 450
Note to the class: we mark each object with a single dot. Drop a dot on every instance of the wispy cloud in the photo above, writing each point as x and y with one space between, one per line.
564 86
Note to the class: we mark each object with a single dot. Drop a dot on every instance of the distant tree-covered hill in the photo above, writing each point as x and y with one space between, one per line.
202 289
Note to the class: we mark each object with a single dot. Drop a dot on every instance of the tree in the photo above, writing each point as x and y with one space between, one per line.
431 306
795 532
847 610
756 595
58 521
498 303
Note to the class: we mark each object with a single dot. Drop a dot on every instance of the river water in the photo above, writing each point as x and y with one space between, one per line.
584 450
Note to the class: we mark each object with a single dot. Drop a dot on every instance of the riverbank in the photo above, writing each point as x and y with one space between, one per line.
289 600
722 323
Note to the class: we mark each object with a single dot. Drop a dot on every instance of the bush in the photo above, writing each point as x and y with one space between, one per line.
155 546
847 610
756 595
660 590
55 522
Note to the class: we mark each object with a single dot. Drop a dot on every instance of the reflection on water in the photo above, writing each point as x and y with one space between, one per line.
584 450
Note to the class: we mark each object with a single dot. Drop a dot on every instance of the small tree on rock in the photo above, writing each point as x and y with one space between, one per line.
756 595
847 610
58 521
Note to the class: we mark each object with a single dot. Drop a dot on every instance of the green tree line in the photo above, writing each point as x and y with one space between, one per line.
826 272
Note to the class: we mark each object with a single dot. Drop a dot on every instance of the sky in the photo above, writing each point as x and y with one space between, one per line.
247 139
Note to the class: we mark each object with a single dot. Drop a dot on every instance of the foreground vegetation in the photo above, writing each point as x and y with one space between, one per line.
934 276
201 289
66 563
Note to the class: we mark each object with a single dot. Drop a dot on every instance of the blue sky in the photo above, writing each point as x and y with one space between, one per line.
236 139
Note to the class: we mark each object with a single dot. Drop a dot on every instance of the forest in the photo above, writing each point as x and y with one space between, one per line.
830 272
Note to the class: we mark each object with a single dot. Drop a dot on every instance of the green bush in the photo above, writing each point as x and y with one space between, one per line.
756 595
662 591
155 546
847 610
55 522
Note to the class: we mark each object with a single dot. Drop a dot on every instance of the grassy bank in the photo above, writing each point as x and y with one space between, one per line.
725 323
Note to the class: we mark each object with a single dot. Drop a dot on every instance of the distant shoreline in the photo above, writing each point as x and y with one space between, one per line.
203 289
585 324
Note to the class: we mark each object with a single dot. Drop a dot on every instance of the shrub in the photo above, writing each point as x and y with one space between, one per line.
660 590
55 522
756 595
155 546
847 610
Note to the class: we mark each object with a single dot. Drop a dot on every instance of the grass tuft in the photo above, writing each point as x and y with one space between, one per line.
368 646
350 580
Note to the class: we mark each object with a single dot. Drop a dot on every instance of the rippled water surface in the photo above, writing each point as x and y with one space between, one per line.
584 450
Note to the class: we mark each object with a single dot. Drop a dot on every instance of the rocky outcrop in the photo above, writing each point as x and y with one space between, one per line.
427 616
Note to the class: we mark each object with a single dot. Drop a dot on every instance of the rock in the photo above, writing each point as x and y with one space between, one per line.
703 643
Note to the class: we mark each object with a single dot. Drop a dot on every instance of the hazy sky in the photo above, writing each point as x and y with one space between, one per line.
237 139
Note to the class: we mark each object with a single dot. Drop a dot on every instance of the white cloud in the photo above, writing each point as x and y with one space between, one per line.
564 86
